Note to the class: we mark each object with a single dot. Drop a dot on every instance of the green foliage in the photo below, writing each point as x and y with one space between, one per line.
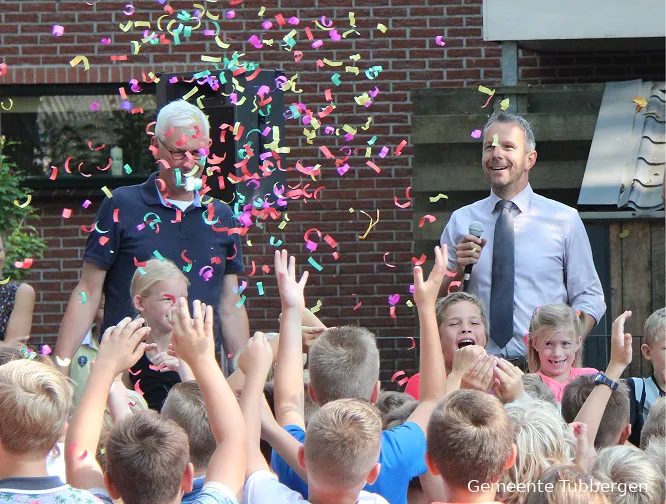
21 239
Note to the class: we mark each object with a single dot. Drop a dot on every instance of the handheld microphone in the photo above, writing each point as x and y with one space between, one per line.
475 229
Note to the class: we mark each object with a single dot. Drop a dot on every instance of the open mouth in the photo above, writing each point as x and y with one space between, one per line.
497 168
557 362
466 342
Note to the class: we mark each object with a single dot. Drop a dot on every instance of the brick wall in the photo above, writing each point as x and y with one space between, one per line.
410 59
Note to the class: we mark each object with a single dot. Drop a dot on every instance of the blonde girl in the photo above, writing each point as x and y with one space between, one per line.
155 289
554 346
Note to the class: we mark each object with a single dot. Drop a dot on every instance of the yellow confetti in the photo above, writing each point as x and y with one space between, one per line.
25 204
289 35
332 63
382 28
485 90
6 280
316 307
106 191
351 209
435 199
367 124
372 224
344 35
495 140
355 57
200 102
349 129
135 47
640 102
80 59
504 104
11 104
221 44
363 99
624 234
191 93
211 59
249 242
142 24
262 10
282 225
368 151
409 303
352 69
352 21
127 26
63 362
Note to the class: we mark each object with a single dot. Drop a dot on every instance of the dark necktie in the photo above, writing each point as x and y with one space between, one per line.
501 288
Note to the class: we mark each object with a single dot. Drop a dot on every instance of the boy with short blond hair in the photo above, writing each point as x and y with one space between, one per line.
655 425
35 400
185 406
643 392
147 456
403 448
470 445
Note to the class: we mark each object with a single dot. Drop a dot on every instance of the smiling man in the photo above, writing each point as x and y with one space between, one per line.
164 217
534 250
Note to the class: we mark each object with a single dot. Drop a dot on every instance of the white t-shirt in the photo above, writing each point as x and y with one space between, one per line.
183 205
263 486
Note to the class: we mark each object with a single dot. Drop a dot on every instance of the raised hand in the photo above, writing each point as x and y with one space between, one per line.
310 335
621 351
481 376
425 293
192 337
291 291
257 357
122 345
578 431
509 383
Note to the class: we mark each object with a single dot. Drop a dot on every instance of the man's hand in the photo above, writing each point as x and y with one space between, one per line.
468 251
481 376
291 291
257 358
620 348
425 293
510 384
192 338
465 357
123 345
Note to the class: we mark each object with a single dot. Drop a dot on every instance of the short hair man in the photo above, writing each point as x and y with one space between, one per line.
535 250
163 217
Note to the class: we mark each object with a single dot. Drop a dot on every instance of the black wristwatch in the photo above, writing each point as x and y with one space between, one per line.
602 379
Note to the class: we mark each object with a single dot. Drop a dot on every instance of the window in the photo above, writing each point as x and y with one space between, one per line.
100 133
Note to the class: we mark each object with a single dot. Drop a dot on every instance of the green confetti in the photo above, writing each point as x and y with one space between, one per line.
187 268
84 297
335 78
274 242
158 255
316 307
260 288
495 140
240 303
128 169
315 264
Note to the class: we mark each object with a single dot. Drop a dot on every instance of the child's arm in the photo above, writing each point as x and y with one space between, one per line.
255 362
432 386
193 341
121 348
595 405
285 445
118 402
311 320
289 393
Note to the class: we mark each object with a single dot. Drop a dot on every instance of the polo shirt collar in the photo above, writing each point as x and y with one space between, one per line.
152 196
521 200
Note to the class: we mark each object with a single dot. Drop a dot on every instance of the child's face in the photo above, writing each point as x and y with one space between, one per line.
557 353
155 307
656 352
461 325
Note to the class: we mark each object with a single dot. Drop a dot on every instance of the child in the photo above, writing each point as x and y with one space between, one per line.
541 437
340 451
185 406
655 451
155 288
344 364
470 445
461 322
643 392
79 369
554 346
534 387
629 477
614 427
655 424
566 484
35 400
146 455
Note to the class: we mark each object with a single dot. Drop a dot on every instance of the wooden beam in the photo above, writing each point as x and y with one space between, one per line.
658 270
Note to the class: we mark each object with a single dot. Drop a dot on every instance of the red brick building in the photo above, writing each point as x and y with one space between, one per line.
355 288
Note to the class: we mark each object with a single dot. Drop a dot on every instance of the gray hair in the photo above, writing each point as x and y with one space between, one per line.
656 452
179 113
506 117
627 466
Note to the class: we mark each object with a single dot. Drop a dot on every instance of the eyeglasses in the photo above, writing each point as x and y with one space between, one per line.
179 155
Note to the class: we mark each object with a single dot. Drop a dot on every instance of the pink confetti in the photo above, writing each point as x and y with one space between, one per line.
206 273
231 14
317 44
476 133
152 367
209 33
137 387
392 312
3 69
254 40
106 41
394 299
71 451
66 213
86 203
383 152
293 21
58 30
94 106
397 375
439 40
46 350
267 25
129 10
25 264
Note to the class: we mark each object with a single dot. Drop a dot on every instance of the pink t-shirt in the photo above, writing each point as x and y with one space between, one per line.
557 387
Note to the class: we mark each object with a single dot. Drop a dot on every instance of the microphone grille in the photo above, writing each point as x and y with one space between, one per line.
476 229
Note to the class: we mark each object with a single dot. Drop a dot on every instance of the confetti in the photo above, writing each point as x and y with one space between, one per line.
137 387
372 224
435 199
46 350
640 102
358 306
260 287
25 264
413 343
504 104
80 59
316 307
427 217
106 191
397 375
241 301
495 140
420 260
392 312
387 264
623 234
25 203
409 199
58 30
153 367
394 299
3 69
439 40
5 281
84 297
70 452
63 362
315 264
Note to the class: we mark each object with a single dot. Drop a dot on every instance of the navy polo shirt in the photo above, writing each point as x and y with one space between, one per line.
136 225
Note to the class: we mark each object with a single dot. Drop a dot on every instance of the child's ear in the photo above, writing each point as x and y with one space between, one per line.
645 348
187 480
137 301
624 435
311 393
432 468
512 459
375 392
111 487
301 457
373 474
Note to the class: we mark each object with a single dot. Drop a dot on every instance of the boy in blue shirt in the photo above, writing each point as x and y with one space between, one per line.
344 364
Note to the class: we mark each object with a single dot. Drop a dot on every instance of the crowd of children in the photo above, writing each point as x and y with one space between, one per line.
156 422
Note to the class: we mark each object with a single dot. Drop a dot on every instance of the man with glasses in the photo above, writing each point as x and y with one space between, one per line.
164 218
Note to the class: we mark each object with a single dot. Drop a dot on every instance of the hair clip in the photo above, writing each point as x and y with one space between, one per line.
526 338
28 353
